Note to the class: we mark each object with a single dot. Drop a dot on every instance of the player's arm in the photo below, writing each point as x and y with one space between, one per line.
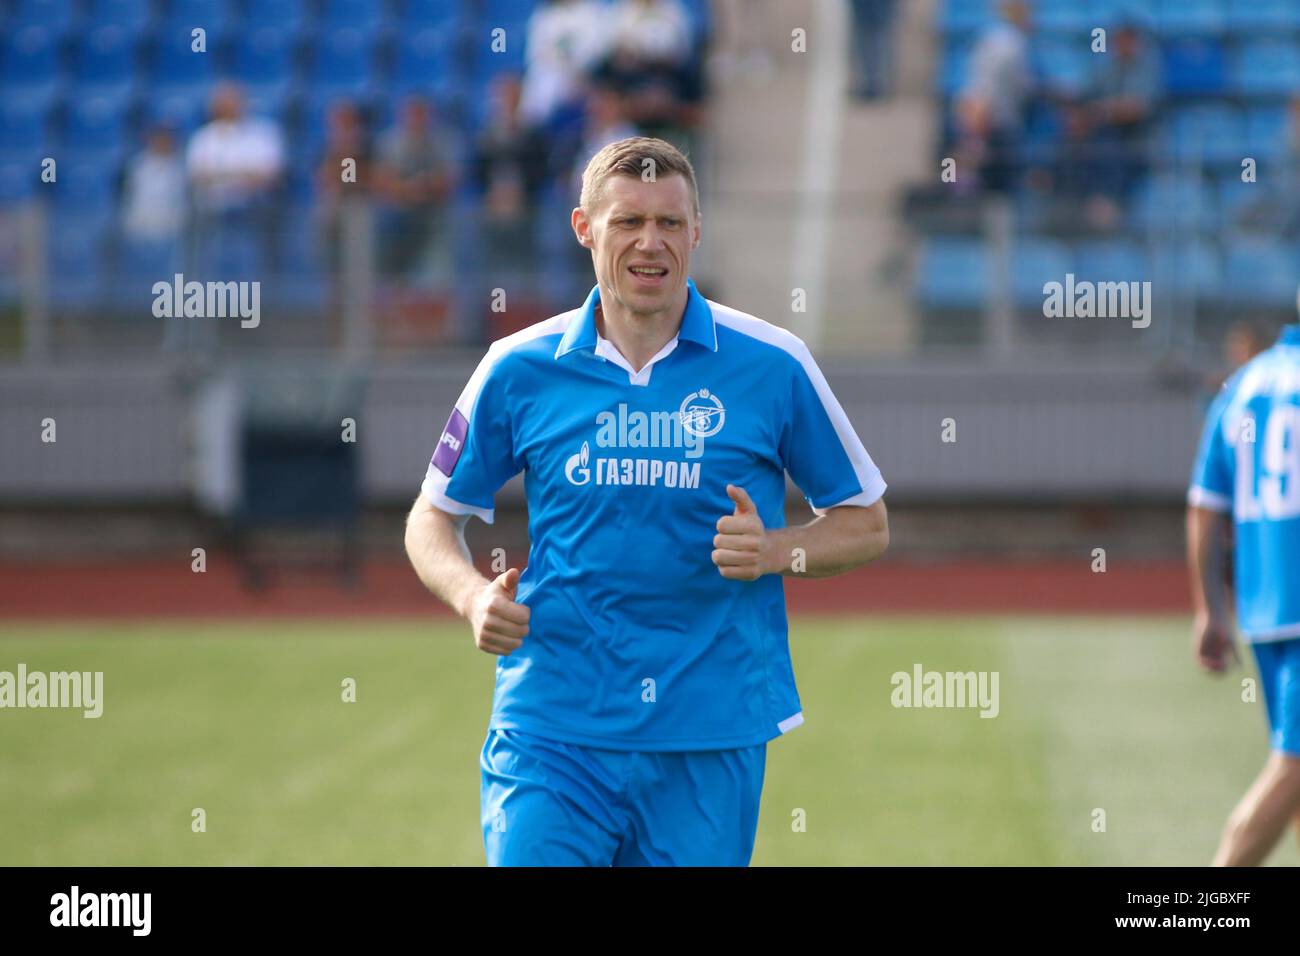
435 543
836 541
1212 631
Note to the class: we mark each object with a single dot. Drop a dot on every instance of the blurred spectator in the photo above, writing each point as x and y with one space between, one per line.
566 39
234 161
345 139
153 217
153 201
651 31
234 164
873 43
1277 211
511 167
606 122
991 106
414 174
346 153
1243 341
1118 112
650 61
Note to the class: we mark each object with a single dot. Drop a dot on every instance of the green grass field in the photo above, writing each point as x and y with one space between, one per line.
246 721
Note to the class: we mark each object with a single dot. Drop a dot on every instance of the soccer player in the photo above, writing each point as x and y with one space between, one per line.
643 658
1248 468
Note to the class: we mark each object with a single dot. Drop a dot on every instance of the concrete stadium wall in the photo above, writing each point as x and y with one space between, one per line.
1052 432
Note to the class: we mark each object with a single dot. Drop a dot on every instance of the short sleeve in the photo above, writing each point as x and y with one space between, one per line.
819 447
1212 475
475 453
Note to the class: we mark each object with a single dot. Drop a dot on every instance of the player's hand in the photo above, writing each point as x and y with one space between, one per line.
740 546
499 623
1213 644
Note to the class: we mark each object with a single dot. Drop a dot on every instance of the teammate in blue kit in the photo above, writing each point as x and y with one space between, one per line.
1248 472
643 656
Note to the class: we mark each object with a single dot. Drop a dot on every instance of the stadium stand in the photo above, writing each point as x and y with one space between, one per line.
85 82
1229 72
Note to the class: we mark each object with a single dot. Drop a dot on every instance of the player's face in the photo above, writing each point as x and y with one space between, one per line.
641 235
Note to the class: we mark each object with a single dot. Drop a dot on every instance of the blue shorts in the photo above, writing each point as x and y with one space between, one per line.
1279 677
546 803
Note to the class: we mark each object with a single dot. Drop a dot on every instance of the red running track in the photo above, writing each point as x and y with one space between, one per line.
162 588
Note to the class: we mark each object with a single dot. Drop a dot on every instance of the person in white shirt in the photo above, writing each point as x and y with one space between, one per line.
153 199
566 39
654 31
235 160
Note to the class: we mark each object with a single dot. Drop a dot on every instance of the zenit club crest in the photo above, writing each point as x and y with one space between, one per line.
702 413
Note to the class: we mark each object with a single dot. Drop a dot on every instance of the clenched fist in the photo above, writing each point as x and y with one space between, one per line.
499 623
740 546
1212 644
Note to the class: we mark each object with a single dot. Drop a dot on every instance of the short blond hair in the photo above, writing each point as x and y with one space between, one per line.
633 157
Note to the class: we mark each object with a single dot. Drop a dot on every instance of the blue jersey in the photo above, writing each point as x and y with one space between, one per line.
1249 464
636 641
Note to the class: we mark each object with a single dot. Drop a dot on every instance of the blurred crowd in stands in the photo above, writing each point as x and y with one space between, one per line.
452 163
1086 139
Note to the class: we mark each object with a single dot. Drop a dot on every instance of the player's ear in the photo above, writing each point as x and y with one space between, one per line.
581 226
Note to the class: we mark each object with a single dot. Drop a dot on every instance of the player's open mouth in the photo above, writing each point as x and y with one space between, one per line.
648 275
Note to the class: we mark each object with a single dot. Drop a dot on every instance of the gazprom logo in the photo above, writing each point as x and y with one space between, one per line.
575 469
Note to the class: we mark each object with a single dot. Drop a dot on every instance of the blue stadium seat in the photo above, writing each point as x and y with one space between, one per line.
96 124
1073 16
1064 65
18 177
106 58
217 17
300 174
54 15
30 60
24 125
953 274
495 12
1195 67
426 14
1266 131
298 282
1185 270
1233 194
1256 16
312 125
344 62
424 62
1180 17
1260 273
353 13
701 14
1267 68
963 16
270 103
264 57
1212 133
1174 204
176 64
953 66
75 243
126 13
1109 260
84 184
489 62
1033 264
183 109
288 15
